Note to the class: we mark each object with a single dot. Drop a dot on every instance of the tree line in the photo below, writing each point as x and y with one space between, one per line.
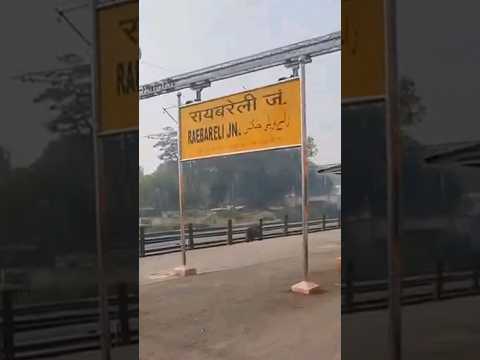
254 180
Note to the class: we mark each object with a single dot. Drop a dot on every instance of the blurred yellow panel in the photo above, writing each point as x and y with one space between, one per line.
118 55
363 49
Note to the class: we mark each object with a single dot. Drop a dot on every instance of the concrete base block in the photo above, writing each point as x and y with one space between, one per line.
305 287
185 271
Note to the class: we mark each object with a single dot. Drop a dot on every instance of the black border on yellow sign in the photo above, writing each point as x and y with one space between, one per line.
291 146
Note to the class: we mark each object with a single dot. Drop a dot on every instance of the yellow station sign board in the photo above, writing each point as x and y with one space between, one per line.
259 119
363 49
118 55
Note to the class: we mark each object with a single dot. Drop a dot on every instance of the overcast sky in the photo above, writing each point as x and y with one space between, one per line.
185 35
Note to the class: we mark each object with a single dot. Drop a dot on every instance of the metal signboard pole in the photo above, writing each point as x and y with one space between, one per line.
393 148
97 154
182 270
180 185
305 286
304 158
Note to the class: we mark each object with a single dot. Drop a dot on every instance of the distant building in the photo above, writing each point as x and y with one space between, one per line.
324 192
331 169
460 153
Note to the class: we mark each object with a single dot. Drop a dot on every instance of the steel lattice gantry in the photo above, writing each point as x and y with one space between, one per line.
285 55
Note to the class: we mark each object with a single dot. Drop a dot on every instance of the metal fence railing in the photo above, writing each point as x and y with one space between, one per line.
55 329
358 296
155 243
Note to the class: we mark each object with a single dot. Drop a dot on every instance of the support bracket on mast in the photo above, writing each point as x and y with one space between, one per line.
198 87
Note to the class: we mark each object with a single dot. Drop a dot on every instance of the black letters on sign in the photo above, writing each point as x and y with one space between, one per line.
127 77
